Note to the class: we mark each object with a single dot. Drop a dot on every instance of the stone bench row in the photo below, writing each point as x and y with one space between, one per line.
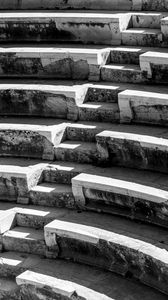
112 147
89 5
81 64
113 251
85 102
96 28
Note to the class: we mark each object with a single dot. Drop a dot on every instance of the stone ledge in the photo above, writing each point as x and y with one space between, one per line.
60 63
111 251
143 107
121 197
133 150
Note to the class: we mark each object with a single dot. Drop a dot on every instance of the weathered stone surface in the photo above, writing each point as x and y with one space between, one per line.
58 195
133 150
142 37
80 152
126 198
154 66
31 141
99 112
24 240
111 251
121 73
70 27
16 181
143 107
64 63
38 100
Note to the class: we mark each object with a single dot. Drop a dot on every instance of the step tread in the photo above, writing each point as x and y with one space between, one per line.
52 188
112 223
87 277
125 67
25 233
142 31
77 144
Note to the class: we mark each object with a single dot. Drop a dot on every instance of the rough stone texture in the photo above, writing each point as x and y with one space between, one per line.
122 73
52 195
143 107
99 112
110 251
102 94
36 103
142 37
134 208
135 151
60 27
76 152
26 241
71 4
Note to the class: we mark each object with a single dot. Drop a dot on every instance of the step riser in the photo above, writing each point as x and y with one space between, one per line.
61 200
75 155
112 75
141 39
23 245
99 115
102 94
146 21
125 57
53 175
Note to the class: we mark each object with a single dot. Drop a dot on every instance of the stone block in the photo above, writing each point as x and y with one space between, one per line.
133 150
143 107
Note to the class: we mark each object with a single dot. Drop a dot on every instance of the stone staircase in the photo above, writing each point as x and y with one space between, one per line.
83 149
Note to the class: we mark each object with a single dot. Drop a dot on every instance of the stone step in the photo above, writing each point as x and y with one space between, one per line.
97 28
52 62
143 107
18 176
122 73
86 131
133 150
52 194
130 55
126 55
88 282
99 112
30 141
146 20
76 151
62 173
142 37
155 66
109 250
27 240
121 197
41 100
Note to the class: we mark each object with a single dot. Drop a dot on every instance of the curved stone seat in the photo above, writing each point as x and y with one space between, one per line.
108 250
133 150
116 196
